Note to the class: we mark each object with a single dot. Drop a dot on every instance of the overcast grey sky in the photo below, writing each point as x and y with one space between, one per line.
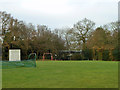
61 13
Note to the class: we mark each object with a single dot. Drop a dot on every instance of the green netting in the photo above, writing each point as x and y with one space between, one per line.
31 62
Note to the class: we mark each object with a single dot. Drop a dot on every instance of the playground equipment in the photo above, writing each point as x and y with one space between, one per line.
31 62
47 53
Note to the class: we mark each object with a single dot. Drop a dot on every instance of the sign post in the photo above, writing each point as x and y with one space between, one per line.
14 55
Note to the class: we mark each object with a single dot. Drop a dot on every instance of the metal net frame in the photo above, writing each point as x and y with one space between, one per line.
31 62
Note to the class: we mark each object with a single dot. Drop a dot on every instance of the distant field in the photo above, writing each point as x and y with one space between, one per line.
63 74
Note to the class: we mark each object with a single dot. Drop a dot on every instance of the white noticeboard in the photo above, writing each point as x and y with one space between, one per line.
14 55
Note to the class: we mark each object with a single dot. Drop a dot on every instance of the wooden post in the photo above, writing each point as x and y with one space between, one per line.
43 57
51 57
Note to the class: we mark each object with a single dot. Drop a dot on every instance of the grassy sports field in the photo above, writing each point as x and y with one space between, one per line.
63 74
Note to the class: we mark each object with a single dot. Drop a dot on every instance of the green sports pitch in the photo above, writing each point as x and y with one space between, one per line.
63 74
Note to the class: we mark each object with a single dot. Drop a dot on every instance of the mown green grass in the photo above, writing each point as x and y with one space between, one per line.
63 74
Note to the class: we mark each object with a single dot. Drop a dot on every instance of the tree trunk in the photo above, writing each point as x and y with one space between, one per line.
84 44
93 54
110 54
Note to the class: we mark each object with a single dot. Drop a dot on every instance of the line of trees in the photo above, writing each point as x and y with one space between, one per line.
99 43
